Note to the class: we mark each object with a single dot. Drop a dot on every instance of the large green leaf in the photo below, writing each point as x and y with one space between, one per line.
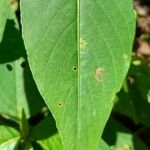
79 53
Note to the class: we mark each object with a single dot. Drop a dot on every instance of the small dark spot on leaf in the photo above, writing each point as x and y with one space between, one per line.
75 68
23 64
60 104
9 67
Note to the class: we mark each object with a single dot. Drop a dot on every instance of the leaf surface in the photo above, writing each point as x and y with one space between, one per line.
79 53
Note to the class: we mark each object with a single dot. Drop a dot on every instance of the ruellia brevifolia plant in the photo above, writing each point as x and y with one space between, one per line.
78 52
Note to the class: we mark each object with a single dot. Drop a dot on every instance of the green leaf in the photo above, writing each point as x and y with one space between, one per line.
8 138
16 83
79 53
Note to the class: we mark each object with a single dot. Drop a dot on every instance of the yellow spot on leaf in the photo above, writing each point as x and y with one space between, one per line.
99 74
82 43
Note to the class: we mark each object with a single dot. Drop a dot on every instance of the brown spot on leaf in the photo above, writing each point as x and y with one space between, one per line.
82 43
99 74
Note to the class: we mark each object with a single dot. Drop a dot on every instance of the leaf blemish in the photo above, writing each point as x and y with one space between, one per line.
82 43
99 74
60 104
75 68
